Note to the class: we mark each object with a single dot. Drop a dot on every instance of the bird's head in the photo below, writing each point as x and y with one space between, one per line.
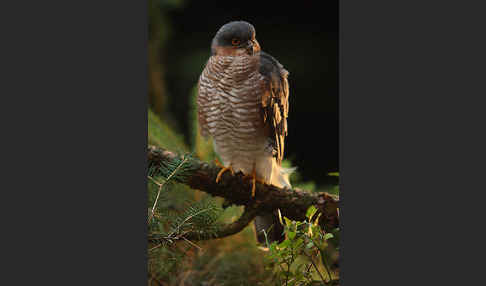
234 39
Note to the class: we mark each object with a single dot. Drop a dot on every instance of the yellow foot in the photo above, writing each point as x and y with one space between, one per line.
217 163
253 182
223 169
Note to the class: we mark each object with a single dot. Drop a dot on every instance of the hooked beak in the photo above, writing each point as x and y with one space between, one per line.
252 47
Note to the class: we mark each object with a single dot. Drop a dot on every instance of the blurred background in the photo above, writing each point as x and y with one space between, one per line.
301 35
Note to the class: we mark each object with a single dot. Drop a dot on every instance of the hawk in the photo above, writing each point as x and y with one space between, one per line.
243 104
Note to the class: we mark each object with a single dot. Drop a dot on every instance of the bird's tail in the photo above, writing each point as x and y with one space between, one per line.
280 175
270 222
271 225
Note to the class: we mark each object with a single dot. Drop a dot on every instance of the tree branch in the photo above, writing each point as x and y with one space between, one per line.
248 215
236 189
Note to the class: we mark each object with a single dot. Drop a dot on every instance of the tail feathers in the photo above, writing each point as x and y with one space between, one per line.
280 176
270 222
271 225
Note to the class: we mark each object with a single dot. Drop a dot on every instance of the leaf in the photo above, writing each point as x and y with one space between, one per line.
317 219
266 237
288 222
310 230
284 244
328 236
280 217
272 246
286 273
291 234
298 242
311 211
309 245
333 174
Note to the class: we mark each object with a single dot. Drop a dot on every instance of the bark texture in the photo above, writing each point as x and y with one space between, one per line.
236 189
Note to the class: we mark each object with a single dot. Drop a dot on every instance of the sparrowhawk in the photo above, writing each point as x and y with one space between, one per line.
243 103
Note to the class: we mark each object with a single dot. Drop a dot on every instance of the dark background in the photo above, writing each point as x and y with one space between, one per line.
302 36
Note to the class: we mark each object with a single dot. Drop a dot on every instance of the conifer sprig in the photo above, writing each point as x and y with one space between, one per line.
161 184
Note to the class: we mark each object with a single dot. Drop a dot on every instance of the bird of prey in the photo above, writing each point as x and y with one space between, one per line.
243 103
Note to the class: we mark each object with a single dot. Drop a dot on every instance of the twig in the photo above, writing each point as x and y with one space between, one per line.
161 185
318 272
288 272
307 273
192 243
321 251
188 218
155 247
153 180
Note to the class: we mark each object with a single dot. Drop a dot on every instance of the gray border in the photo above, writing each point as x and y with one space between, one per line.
411 75
411 146
75 181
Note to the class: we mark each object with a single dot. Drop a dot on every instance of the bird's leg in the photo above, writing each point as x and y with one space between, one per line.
253 182
223 169
217 163
254 179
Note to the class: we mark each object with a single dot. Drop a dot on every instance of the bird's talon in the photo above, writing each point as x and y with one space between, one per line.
223 169
253 181
217 163
253 189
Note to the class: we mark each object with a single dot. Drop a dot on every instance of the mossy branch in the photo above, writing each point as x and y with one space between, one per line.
236 189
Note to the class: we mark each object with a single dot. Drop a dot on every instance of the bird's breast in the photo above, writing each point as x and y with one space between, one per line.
234 116
234 85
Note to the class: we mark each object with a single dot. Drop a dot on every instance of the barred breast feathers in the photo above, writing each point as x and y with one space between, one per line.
239 98
228 104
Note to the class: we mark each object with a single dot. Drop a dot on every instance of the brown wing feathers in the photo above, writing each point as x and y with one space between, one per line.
275 101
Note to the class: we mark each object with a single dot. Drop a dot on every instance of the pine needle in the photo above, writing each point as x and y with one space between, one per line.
162 184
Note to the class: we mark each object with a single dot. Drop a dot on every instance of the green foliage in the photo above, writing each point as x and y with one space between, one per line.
178 169
162 135
305 257
234 260
301 259
198 217
172 216
229 268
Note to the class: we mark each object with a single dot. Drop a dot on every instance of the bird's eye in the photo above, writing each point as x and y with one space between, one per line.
235 42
